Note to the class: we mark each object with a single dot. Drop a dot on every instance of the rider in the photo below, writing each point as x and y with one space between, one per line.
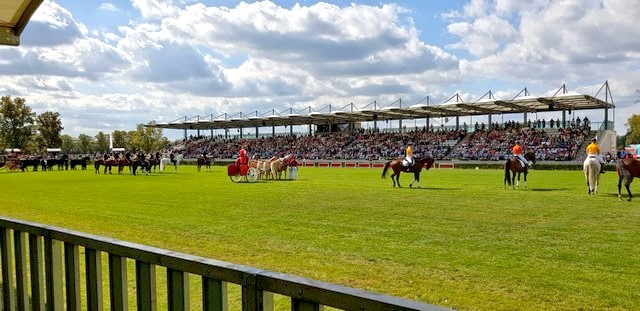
172 157
518 152
408 156
593 150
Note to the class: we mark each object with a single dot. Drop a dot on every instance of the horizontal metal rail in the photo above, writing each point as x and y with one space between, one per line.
52 281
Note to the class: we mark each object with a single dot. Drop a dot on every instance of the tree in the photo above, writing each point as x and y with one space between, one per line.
49 126
86 143
16 122
633 132
121 139
69 144
148 139
102 142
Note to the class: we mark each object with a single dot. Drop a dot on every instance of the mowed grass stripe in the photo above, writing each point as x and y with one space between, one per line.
460 241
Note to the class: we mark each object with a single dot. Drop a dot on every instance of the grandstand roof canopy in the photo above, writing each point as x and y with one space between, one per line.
532 104
14 16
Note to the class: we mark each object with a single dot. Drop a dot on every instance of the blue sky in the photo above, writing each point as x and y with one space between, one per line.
110 65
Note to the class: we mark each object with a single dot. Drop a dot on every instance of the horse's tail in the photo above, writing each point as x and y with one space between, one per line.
507 174
384 170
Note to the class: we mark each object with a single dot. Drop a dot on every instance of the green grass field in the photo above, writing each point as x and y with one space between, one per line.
461 241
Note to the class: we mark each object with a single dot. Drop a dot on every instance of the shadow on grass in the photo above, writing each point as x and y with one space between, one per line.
545 189
431 188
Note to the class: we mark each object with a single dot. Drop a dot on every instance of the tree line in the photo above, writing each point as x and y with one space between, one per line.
22 128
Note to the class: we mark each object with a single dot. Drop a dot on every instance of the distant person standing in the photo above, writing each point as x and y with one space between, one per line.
293 168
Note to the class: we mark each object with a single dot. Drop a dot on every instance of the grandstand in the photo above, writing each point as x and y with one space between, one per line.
338 134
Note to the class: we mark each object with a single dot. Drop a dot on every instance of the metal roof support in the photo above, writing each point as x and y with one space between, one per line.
607 96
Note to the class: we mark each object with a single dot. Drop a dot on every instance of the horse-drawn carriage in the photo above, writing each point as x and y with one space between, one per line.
11 161
242 172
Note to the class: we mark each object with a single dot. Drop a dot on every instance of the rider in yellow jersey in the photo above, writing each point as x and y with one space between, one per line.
408 156
593 150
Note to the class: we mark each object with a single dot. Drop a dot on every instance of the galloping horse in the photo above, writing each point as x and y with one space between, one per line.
397 167
591 169
176 161
513 165
628 169
204 161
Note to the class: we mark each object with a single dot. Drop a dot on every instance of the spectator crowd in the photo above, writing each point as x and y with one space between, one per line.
486 142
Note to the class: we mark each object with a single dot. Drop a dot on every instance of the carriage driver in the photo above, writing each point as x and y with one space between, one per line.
408 156
518 152
242 159
593 150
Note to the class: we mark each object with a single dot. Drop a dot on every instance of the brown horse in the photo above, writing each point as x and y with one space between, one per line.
628 169
513 167
204 161
107 165
397 167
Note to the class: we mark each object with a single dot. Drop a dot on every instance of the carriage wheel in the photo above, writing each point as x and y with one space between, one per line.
252 174
14 168
236 177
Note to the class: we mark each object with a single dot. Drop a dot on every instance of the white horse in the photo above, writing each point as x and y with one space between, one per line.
166 161
591 169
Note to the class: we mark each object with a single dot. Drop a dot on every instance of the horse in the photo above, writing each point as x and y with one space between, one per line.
107 165
278 166
397 167
204 161
513 167
176 162
153 162
627 169
591 169
144 165
82 162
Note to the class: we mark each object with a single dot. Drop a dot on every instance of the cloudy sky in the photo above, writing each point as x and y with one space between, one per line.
108 66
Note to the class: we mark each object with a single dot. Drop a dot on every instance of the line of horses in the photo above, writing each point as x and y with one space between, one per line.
145 166
627 169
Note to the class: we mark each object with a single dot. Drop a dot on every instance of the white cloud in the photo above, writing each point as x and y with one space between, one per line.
108 6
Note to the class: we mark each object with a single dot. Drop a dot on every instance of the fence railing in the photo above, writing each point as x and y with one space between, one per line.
41 271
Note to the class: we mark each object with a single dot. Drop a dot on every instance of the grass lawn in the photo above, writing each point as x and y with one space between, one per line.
461 241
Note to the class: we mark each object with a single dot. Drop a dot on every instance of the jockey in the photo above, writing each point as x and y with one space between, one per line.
593 150
172 157
408 156
127 156
518 152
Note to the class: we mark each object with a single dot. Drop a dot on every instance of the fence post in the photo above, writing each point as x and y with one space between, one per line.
146 286
53 272
36 255
72 275
118 283
22 275
8 291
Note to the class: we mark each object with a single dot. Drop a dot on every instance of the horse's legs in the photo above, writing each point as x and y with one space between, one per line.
525 179
626 185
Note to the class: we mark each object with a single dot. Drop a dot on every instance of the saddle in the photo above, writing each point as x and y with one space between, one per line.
516 164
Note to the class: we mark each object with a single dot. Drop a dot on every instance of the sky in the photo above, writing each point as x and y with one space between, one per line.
111 65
